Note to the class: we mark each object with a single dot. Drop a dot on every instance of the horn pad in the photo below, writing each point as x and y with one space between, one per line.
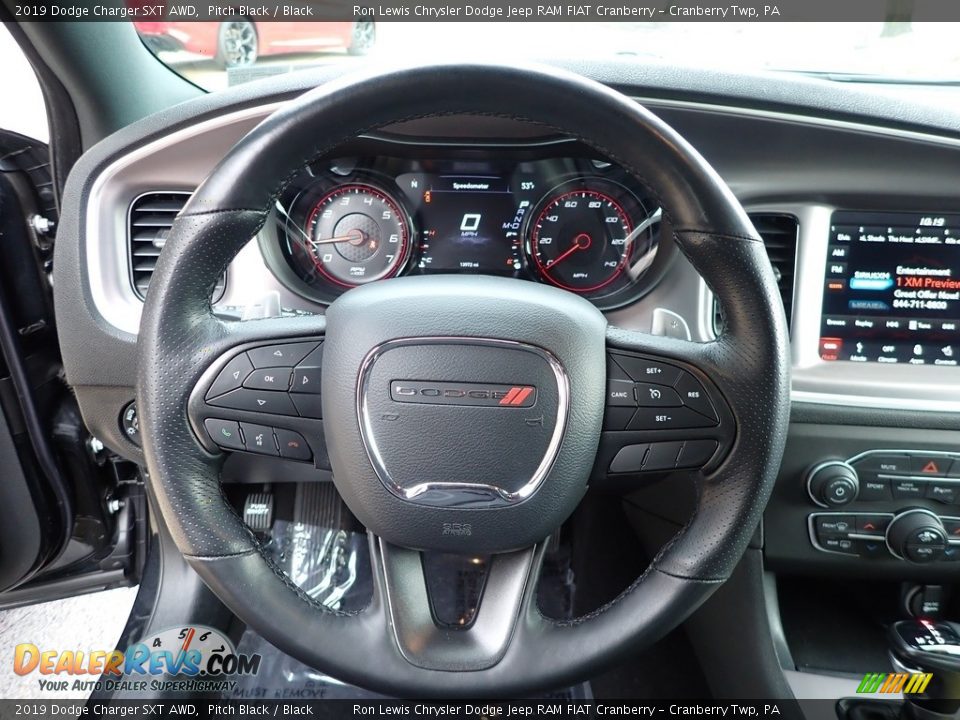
462 414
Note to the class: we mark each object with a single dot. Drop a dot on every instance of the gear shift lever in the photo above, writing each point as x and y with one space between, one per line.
931 647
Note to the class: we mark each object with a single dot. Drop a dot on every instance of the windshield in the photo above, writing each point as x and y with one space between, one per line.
215 55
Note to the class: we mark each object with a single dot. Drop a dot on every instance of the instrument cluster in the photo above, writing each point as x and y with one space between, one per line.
573 221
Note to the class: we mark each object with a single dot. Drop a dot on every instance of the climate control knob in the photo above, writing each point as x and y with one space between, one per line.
833 484
917 535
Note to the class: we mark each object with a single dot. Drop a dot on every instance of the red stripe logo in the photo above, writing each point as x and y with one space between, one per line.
516 396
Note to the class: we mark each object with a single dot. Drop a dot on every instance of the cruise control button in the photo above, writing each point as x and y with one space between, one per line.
225 433
306 380
292 445
629 459
887 464
906 489
232 376
649 395
616 418
942 492
620 393
932 465
258 439
277 378
308 405
662 456
835 525
696 453
667 419
694 396
643 370
263 401
286 355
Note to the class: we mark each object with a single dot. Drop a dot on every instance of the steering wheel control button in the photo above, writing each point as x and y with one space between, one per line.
617 418
287 355
277 378
292 445
258 439
225 433
620 393
643 370
662 456
649 395
694 396
629 459
306 380
130 423
308 406
232 376
675 418
696 453
261 401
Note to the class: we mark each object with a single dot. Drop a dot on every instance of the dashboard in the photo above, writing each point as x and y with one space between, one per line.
553 214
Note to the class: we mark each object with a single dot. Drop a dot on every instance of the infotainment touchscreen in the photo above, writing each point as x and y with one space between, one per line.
892 289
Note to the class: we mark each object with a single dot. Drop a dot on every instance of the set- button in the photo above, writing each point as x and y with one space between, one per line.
279 379
645 394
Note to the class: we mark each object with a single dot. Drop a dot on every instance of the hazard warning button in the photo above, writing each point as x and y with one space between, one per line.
929 465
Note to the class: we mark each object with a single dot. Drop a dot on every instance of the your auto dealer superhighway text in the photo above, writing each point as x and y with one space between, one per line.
447 12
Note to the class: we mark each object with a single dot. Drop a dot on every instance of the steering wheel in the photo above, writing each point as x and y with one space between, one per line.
428 443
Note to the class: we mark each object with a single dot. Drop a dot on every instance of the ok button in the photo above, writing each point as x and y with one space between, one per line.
268 379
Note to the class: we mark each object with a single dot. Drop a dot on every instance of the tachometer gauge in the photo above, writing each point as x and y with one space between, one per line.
356 234
591 238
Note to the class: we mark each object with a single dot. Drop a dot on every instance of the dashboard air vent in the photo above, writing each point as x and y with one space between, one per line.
779 233
150 219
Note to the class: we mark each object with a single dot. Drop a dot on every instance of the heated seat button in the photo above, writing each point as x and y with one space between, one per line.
696 453
306 380
662 456
263 401
286 355
292 445
694 396
258 439
929 465
667 419
232 376
620 393
649 395
629 459
277 378
225 433
643 370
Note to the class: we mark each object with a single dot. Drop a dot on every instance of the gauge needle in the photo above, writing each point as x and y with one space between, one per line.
580 242
355 236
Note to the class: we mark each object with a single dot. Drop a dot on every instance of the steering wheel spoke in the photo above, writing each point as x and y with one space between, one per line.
470 638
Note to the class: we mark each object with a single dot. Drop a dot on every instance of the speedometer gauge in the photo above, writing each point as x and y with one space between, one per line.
591 238
356 234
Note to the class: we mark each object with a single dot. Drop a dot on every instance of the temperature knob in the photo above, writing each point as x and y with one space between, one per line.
833 484
917 535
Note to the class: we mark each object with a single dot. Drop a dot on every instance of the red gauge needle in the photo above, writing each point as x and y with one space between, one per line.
580 242
355 236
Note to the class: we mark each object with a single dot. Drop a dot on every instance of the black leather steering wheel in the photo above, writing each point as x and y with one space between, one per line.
479 331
